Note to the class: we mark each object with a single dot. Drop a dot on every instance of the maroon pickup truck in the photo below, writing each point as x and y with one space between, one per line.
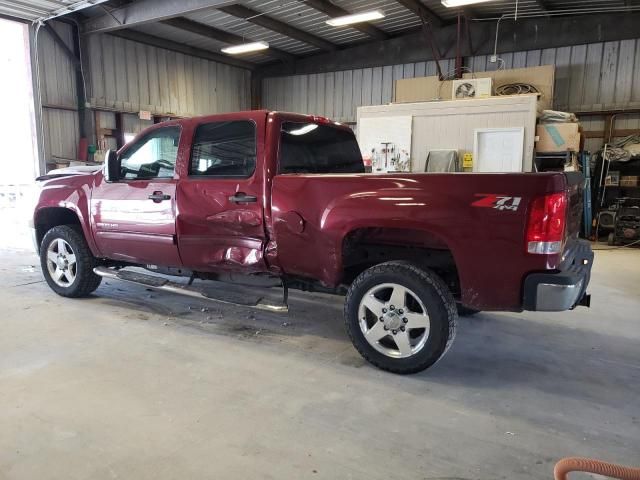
284 198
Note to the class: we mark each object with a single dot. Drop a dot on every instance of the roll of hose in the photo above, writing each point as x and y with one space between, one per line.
516 89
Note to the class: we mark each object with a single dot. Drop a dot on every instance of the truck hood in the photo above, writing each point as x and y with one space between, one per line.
70 171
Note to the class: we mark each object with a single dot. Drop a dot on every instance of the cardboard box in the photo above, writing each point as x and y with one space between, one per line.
558 137
426 89
612 179
629 180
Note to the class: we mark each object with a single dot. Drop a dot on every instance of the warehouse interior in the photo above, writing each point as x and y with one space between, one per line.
135 382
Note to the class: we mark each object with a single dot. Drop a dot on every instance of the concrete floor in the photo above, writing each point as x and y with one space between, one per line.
139 385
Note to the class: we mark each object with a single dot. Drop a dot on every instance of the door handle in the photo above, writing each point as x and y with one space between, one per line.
159 196
242 197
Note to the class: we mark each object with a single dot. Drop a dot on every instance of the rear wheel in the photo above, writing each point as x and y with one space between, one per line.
611 239
400 318
67 263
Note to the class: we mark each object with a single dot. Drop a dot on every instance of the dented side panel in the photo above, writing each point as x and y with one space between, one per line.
216 233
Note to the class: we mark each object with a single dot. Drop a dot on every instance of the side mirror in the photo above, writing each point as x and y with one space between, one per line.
111 166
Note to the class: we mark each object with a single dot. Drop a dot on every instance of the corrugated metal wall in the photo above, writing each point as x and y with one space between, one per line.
597 76
57 84
128 76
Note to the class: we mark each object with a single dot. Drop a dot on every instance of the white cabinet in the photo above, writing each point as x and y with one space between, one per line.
451 124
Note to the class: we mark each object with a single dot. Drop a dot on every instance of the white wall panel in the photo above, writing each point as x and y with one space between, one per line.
451 124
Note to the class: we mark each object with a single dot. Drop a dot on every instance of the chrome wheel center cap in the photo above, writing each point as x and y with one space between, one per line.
61 262
392 320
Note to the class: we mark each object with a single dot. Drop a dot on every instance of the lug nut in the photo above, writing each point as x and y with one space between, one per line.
400 311
384 310
381 319
405 320
392 307
402 328
394 331
386 328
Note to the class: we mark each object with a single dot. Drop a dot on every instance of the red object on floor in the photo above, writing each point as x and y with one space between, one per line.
575 464
83 149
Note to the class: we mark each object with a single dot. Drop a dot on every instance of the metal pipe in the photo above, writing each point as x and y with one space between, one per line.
458 64
565 12
162 284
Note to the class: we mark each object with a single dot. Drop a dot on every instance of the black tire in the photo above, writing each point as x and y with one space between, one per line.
611 239
466 311
432 292
85 280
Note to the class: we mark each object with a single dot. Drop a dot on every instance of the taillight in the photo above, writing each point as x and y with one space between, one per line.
546 224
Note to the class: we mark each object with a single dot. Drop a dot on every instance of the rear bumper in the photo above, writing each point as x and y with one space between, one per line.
564 289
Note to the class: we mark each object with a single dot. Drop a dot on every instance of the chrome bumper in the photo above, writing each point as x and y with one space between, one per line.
563 290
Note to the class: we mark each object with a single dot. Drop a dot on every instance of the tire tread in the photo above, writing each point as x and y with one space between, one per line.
88 281
426 276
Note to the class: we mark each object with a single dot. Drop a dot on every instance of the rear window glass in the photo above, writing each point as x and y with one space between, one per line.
314 148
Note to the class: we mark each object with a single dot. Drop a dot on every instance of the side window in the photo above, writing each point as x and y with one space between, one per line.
153 156
224 149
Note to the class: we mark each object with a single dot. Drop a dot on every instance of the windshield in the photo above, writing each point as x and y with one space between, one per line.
313 148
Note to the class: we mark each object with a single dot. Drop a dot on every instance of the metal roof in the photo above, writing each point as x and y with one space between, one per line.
239 26
302 16
35 10
181 36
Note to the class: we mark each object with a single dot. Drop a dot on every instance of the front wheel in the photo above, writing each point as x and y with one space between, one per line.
67 263
466 311
400 318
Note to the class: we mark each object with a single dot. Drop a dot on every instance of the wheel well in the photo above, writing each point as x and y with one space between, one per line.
47 218
366 247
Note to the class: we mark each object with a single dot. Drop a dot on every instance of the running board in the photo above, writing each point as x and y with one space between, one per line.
162 284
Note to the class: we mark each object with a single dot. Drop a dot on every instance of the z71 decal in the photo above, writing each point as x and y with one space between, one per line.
497 201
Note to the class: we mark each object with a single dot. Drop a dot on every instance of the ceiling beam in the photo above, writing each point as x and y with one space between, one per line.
542 5
145 11
525 34
328 8
277 26
62 44
421 10
182 48
223 36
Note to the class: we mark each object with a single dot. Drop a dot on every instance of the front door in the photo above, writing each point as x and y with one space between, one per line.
220 219
134 216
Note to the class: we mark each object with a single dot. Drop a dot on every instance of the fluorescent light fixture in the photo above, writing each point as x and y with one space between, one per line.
355 18
460 3
310 127
245 47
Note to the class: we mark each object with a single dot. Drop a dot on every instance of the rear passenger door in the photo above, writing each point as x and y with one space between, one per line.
220 213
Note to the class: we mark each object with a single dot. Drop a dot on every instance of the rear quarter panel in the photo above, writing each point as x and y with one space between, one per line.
487 243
